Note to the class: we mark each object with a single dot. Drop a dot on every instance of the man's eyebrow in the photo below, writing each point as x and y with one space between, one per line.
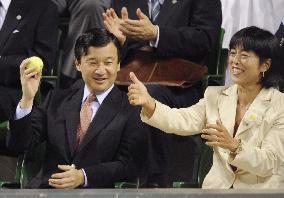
91 58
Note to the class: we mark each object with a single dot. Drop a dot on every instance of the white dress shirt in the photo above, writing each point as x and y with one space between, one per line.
3 11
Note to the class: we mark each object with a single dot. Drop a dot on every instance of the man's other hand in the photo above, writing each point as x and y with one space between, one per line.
70 178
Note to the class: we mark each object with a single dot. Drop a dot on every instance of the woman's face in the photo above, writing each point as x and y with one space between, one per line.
245 67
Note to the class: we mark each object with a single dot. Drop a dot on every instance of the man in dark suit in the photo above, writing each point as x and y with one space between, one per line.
29 29
186 29
110 148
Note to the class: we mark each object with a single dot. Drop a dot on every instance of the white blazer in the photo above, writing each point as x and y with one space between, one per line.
260 164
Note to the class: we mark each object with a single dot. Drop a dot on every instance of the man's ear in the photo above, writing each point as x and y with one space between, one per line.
78 64
118 67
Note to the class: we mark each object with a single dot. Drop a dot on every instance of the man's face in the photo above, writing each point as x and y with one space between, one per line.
99 67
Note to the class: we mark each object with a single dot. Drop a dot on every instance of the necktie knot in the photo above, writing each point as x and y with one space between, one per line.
91 98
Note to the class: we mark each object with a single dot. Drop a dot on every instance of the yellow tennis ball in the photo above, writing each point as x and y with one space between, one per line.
35 62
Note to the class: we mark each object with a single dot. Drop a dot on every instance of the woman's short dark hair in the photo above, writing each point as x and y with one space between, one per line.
96 37
266 46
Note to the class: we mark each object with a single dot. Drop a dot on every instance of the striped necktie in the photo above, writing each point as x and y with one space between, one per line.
2 13
155 5
85 117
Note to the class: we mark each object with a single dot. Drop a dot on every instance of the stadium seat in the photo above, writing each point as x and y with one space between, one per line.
216 70
31 164
16 183
120 185
51 80
204 164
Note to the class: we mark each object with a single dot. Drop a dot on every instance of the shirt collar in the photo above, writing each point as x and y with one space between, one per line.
6 4
99 96
161 1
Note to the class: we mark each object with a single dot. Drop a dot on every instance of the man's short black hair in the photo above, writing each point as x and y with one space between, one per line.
96 37
266 46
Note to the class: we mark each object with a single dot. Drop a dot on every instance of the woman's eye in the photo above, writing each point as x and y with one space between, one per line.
244 56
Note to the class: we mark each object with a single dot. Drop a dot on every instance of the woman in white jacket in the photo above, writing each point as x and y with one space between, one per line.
243 123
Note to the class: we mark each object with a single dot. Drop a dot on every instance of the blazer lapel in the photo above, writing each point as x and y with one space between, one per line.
15 14
72 117
256 111
105 114
227 105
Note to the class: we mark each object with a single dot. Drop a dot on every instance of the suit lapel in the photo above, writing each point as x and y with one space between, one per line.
105 114
143 5
15 14
167 9
72 117
256 111
227 105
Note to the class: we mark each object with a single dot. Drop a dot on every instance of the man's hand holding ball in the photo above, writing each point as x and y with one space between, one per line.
35 62
30 73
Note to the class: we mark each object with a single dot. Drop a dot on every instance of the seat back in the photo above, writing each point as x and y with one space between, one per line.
9 158
51 81
217 66
31 164
215 56
220 70
205 163
121 185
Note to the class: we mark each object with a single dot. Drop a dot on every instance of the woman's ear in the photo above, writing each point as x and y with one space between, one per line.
266 65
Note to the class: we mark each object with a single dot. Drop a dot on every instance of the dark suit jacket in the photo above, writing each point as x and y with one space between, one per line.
9 97
30 28
112 150
188 28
